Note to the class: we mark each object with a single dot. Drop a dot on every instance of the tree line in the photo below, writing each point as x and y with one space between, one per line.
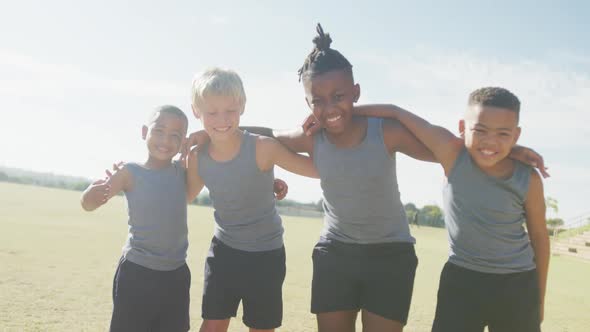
428 215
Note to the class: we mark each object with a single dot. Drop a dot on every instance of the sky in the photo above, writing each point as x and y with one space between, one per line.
78 78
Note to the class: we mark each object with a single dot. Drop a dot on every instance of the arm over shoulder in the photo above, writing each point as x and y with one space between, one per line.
270 152
194 183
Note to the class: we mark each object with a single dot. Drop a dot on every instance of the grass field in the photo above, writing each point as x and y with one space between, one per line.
57 264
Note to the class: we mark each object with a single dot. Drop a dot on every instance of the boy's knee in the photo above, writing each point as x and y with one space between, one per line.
211 325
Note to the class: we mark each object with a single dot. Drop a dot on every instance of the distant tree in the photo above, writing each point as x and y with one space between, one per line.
554 225
411 213
552 204
554 222
411 209
80 186
4 177
431 215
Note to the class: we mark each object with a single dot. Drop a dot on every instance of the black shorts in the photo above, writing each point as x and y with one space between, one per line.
469 300
378 278
255 278
150 300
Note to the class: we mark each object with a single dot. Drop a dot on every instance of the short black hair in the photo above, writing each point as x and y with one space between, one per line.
496 97
322 58
172 110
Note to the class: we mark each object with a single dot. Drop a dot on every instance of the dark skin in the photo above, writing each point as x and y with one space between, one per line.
331 97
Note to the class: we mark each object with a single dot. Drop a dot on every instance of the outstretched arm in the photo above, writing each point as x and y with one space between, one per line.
442 143
100 191
537 230
270 152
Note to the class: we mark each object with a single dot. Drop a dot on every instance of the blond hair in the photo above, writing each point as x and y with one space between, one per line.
218 82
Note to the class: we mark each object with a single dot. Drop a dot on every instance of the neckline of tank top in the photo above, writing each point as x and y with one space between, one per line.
234 158
173 163
361 144
492 177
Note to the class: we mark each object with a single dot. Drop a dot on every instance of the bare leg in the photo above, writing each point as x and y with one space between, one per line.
214 325
376 323
337 321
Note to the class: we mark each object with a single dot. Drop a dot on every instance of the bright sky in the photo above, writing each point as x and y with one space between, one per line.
77 79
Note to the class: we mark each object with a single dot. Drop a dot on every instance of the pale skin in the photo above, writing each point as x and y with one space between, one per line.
220 117
489 134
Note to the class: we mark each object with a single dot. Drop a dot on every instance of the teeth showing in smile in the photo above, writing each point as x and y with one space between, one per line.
222 129
332 119
488 152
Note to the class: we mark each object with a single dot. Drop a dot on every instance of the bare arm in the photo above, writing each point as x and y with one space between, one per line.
294 140
99 192
537 230
270 152
399 138
444 145
194 183
529 157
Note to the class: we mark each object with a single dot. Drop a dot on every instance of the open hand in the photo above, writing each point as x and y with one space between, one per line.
531 157
311 125
197 138
116 167
98 192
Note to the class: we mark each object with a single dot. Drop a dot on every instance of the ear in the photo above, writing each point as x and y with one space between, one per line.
195 111
356 92
517 136
462 128
307 102
144 131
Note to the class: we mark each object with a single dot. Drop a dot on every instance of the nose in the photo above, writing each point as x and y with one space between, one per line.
489 140
226 119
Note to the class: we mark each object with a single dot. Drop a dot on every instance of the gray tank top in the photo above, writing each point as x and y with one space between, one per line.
361 199
157 217
484 216
243 198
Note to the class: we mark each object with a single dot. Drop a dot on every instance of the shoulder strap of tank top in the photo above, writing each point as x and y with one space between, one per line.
463 160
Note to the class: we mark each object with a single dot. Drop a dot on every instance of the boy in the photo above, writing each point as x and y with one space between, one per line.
152 281
496 274
246 261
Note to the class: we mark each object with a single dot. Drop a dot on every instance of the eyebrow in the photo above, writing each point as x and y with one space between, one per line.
486 127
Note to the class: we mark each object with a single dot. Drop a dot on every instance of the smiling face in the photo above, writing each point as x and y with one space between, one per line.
220 116
489 133
164 136
331 97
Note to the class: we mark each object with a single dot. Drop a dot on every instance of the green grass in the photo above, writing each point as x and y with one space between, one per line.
572 232
57 264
